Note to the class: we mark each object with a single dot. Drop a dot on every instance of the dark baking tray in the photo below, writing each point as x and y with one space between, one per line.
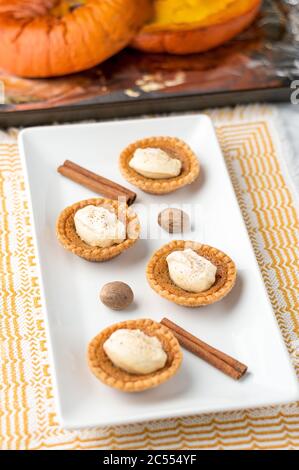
119 109
257 66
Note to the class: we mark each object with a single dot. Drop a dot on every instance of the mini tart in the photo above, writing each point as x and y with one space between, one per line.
158 275
70 240
101 366
176 148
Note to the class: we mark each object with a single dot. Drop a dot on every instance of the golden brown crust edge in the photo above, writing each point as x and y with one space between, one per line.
158 276
190 165
104 370
67 236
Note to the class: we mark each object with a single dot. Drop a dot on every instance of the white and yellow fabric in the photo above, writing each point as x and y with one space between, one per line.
252 150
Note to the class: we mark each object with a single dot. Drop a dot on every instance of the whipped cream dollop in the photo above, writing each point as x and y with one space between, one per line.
135 352
190 271
97 226
155 163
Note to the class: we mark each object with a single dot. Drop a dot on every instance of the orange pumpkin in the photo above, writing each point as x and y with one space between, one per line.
44 38
184 27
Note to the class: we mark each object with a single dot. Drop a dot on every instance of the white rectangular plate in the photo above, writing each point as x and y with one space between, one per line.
242 324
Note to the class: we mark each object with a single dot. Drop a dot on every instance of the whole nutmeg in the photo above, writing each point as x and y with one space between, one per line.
174 220
116 295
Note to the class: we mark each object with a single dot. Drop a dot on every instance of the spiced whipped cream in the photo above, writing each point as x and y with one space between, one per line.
97 226
190 271
155 163
135 352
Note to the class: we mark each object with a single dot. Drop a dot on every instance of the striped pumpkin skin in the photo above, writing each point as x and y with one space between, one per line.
46 38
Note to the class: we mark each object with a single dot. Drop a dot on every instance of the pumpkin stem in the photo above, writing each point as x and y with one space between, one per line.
66 6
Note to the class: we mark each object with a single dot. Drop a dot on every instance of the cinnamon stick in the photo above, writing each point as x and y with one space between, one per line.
225 363
95 182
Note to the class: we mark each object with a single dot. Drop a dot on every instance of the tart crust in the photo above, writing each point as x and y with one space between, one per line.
175 148
101 366
70 240
158 275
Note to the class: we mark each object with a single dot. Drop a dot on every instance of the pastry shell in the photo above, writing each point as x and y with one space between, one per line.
174 147
158 275
70 240
101 366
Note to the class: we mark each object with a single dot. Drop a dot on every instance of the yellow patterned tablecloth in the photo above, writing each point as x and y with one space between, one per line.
250 142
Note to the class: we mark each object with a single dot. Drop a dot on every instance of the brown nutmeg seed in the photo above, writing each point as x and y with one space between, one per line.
174 220
116 295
